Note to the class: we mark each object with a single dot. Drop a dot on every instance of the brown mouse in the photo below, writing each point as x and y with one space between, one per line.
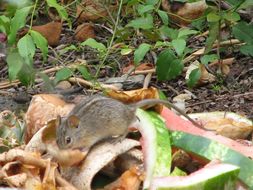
97 118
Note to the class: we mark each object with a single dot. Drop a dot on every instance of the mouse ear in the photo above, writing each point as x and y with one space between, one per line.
73 121
58 121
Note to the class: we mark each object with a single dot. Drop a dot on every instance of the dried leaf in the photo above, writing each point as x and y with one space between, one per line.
133 96
141 67
189 11
84 31
51 31
225 69
227 124
43 108
129 180
205 77
90 10
49 133
16 180
66 157
102 154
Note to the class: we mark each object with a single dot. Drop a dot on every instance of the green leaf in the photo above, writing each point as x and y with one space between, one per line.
208 58
179 46
243 32
167 32
141 52
142 23
168 66
199 24
246 4
62 74
162 44
232 16
40 42
194 77
145 8
15 62
213 17
213 34
17 22
84 71
26 47
152 2
94 44
4 24
68 48
126 51
164 16
186 32
60 9
247 49
48 85
26 75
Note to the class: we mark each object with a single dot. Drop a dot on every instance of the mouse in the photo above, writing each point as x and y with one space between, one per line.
97 118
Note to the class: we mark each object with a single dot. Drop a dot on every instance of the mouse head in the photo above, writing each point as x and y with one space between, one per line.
67 131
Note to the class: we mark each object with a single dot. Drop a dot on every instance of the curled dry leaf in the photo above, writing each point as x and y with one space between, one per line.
66 157
141 67
225 63
51 31
84 31
49 176
205 77
187 11
25 170
180 99
29 158
17 180
43 108
228 124
92 10
36 144
225 70
136 95
102 154
129 180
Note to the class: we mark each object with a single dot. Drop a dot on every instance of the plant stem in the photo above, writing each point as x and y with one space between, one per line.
112 39
219 36
33 12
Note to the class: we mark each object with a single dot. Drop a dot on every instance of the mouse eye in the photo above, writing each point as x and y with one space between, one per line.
68 140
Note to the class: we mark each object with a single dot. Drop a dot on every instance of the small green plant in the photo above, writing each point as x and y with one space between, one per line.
21 52
11 131
173 42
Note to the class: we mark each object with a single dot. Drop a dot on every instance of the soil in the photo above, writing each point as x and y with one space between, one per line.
231 93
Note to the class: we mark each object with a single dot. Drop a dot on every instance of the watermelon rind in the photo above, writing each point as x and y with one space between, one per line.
213 177
213 150
156 145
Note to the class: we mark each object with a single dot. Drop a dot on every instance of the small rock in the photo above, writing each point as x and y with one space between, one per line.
63 85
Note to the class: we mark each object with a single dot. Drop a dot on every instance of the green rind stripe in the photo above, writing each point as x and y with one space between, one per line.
214 150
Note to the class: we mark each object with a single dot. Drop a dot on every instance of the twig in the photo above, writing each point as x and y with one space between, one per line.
220 98
202 50
227 61
147 80
63 183
96 85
